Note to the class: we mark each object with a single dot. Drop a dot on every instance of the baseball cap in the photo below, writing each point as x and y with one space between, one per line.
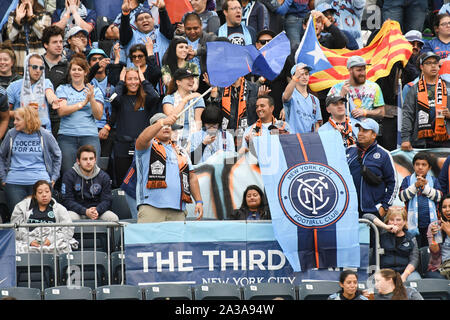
73 31
324 7
183 73
356 61
414 35
142 10
300 65
158 116
334 99
368 124
427 55
96 51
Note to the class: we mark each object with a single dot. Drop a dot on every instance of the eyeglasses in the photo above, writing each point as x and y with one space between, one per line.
80 35
264 41
35 67
235 9
429 63
137 56
444 24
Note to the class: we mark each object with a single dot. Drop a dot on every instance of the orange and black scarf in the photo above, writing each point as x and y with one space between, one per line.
242 106
157 169
258 126
346 131
425 130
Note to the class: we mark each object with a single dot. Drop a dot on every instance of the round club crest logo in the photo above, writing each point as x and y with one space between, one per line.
313 195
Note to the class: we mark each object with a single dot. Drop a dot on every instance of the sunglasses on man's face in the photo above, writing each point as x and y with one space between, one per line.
35 67
263 42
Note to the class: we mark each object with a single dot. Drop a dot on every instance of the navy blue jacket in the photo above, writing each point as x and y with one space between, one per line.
380 162
398 255
80 192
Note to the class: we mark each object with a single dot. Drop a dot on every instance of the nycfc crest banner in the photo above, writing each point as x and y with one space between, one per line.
312 199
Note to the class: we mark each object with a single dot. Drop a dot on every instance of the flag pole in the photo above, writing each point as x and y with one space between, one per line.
194 102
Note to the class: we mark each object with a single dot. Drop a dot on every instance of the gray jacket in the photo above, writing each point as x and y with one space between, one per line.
52 153
410 120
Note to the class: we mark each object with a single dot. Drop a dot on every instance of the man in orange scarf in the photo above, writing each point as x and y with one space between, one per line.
165 177
425 110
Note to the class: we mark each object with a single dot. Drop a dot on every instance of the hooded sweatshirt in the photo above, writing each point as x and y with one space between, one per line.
80 192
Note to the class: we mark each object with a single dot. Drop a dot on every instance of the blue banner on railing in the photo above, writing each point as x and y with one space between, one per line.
198 252
7 259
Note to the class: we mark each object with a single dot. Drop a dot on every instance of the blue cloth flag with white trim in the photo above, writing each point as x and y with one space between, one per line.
312 199
7 258
309 51
228 62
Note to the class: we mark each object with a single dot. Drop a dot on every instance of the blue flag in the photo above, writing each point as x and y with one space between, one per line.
6 7
309 51
7 259
228 62
312 199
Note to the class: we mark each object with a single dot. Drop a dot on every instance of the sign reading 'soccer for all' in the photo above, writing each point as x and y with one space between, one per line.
312 199
388 47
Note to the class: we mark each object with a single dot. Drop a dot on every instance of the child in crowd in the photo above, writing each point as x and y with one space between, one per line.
421 194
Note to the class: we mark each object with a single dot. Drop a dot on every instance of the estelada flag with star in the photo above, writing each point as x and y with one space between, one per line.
330 65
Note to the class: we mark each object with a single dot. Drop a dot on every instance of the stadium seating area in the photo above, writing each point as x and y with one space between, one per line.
430 289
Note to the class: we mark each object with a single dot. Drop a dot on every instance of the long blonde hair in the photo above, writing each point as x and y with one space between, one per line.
31 117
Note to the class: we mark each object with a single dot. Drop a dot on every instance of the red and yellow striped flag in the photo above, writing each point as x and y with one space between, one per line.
388 47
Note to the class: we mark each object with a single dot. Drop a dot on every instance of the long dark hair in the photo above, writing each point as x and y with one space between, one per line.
344 274
140 95
399 292
263 206
171 58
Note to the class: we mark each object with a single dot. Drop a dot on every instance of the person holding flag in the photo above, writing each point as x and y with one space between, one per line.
301 109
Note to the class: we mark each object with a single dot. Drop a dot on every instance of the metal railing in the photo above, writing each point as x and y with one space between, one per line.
120 248
69 255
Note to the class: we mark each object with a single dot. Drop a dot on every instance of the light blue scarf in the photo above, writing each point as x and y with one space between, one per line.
413 206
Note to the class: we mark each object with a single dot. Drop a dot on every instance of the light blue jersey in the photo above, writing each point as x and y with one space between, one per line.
13 92
27 160
107 90
302 113
81 122
169 197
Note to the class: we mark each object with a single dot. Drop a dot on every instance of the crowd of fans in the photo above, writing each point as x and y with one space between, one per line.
73 91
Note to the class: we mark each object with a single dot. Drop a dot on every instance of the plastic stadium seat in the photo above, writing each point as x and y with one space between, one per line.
424 258
36 279
102 163
118 292
21 293
85 277
119 204
89 233
68 293
168 291
217 291
431 289
317 290
269 291
116 267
